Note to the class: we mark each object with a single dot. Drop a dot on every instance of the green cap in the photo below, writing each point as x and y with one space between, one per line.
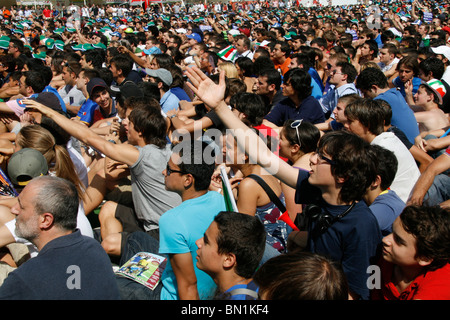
59 45
40 55
50 43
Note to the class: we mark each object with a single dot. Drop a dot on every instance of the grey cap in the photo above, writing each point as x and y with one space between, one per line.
25 165
162 74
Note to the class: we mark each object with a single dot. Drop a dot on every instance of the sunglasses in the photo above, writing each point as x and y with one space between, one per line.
170 171
322 157
294 125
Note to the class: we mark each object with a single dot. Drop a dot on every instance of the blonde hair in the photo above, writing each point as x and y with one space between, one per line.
369 64
58 158
229 68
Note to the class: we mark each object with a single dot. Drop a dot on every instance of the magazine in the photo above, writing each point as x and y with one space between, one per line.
6 187
145 268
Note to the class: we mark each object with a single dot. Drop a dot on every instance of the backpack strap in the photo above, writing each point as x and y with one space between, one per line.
269 192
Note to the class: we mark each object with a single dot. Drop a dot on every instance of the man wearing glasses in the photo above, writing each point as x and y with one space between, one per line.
342 77
188 173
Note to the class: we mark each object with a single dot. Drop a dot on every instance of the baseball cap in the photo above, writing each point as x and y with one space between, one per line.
162 74
437 87
194 36
152 50
26 164
444 50
48 99
245 31
94 83
115 34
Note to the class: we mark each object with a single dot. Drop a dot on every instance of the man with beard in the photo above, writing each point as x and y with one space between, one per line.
47 216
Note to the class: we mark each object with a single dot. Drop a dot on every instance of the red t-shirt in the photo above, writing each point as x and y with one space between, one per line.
268 131
431 285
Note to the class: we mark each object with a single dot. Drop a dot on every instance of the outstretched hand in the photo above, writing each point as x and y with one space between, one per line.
32 104
210 93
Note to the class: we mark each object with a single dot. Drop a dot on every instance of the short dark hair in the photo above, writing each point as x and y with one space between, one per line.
244 236
9 62
284 47
430 226
123 62
387 166
273 77
18 44
373 47
370 77
349 70
321 42
148 120
433 65
250 104
304 60
95 58
353 160
369 112
197 158
391 48
34 80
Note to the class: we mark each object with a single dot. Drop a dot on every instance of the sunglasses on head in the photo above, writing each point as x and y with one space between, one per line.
294 125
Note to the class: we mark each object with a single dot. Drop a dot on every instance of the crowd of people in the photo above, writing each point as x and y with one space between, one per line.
267 151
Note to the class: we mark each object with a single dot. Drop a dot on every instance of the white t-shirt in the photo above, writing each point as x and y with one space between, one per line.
407 170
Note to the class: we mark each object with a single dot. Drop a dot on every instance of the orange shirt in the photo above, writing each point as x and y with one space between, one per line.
284 67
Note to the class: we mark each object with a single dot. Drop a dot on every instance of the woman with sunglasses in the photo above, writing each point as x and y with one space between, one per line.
342 169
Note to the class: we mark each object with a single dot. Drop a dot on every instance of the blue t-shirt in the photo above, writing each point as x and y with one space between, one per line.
169 101
416 82
90 112
53 90
247 291
179 228
180 93
386 208
402 115
309 110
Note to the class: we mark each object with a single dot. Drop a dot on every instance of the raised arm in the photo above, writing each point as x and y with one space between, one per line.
125 153
213 95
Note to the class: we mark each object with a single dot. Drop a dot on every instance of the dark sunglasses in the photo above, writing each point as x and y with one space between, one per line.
170 171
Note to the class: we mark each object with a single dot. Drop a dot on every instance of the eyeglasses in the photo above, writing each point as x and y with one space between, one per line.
322 157
335 72
170 171
295 124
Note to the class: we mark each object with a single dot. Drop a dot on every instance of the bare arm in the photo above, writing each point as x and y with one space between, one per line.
213 96
439 165
183 268
125 153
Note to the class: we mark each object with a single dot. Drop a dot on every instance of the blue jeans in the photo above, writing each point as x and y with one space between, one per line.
439 191
129 289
